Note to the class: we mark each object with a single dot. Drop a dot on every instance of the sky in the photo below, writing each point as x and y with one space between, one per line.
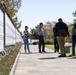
32 12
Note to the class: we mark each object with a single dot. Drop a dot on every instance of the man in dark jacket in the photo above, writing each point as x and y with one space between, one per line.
60 38
73 39
56 46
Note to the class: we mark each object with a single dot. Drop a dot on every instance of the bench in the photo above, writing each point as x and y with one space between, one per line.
67 47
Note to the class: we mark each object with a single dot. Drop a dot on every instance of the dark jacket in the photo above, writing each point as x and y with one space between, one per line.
74 34
59 26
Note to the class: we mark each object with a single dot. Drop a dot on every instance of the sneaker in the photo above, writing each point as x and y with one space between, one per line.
62 55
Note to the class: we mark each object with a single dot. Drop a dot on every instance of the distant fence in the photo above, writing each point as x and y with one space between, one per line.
9 35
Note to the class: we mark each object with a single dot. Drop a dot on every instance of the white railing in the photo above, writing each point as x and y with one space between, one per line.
9 31
1 32
9 35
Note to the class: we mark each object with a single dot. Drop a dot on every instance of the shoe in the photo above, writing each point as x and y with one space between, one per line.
62 55
40 52
25 52
55 51
29 52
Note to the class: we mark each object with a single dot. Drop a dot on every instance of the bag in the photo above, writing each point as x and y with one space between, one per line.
62 32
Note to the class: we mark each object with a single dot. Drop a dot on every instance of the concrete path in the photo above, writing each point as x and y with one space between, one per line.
44 63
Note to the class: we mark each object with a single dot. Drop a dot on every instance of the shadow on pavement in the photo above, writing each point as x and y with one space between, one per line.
48 58
36 53
49 52
72 58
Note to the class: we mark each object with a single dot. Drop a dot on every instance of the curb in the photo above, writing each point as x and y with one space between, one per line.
15 63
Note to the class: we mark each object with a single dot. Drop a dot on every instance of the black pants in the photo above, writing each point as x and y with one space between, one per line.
56 46
41 43
73 44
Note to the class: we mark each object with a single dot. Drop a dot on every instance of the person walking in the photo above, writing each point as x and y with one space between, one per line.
41 35
73 39
56 46
61 31
25 38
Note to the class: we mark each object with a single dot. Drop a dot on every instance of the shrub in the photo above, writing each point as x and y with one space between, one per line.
49 41
35 43
7 62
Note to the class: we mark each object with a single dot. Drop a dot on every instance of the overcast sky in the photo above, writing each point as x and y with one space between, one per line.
32 12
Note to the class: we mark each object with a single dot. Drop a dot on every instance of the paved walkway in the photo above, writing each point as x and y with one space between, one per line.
44 64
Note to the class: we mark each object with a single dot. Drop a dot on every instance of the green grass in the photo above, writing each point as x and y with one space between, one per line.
50 46
68 54
7 62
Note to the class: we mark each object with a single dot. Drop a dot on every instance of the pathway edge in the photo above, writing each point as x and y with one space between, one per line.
15 63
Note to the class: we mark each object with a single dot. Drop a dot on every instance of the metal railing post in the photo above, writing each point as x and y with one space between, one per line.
4 29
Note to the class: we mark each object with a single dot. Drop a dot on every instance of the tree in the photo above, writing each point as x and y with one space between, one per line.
49 32
50 24
74 14
11 11
16 4
12 6
70 26
18 25
47 29
34 33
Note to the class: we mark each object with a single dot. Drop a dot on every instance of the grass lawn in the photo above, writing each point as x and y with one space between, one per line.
50 46
7 62
68 54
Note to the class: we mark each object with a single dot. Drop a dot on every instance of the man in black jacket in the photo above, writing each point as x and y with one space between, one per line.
60 38
56 46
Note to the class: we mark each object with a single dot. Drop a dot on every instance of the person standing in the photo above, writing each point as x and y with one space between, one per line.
56 46
61 30
25 38
73 39
41 35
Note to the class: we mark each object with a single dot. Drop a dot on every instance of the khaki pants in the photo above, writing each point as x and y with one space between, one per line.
61 42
